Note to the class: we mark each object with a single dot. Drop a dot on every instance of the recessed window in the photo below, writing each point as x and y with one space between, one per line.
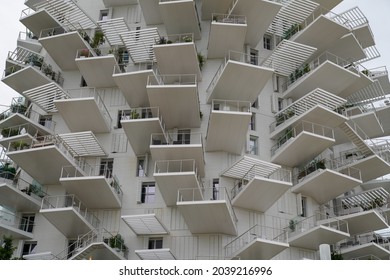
255 104
106 167
253 145
141 167
122 114
252 124
155 243
215 189
28 247
148 192
267 42
103 15
27 222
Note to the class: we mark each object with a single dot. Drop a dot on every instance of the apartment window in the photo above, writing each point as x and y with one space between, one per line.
28 247
252 124
83 83
27 222
46 121
215 189
267 42
103 15
280 104
155 243
183 136
255 104
148 192
122 114
253 145
254 57
106 167
141 167
304 206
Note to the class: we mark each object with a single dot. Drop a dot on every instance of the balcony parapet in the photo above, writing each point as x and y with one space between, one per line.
176 39
16 222
228 18
161 139
172 80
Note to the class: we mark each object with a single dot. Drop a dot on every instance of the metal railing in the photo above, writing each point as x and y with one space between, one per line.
231 105
70 201
134 67
143 113
16 222
176 39
302 126
377 72
22 129
30 188
172 80
252 234
176 139
228 18
362 239
174 166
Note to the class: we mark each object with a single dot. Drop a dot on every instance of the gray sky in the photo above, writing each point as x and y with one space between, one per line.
377 12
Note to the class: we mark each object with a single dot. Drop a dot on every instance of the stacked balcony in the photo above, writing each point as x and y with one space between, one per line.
228 125
112 28
37 20
15 226
69 215
210 213
139 44
84 110
28 40
257 243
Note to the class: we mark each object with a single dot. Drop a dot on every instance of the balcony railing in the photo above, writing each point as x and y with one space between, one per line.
228 18
231 106
70 201
176 139
98 52
28 36
172 80
32 189
176 39
303 126
26 128
363 239
257 231
134 67
18 223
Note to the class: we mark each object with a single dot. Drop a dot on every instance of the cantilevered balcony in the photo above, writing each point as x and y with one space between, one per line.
381 75
317 74
62 43
172 175
93 184
38 20
318 106
29 41
69 215
96 66
177 146
180 48
18 194
19 133
257 243
320 181
15 226
239 78
301 143
228 125
227 32
366 117
180 17
132 79
84 111
139 44
309 233
139 125
210 213
177 97
261 186
147 221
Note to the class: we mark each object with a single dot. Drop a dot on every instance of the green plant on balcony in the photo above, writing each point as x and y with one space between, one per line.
288 133
306 68
7 171
34 60
187 39
282 117
162 41
47 70
117 242
19 145
134 115
84 53
97 41
9 132
292 225
201 60
366 72
7 249
336 256
294 28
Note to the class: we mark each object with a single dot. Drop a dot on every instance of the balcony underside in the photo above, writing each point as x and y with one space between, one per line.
260 249
155 254
225 37
312 238
133 87
97 251
82 114
259 15
209 216
323 185
151 11
178 104
25 79
364 35
138 131
97 71
179 152
363 222
63 48
114 3
180 17
170 183
184 55
362 82
145 224
318 114
384 114
300 149
330 32
69 222
15 233
319 78
371 167
38 21
19 119
240 81
260 194
369 123
348 47
15 199
214 6
368 249
44 164
90 190
328 4
227 131
30 44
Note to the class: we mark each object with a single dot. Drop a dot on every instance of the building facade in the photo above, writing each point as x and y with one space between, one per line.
157 129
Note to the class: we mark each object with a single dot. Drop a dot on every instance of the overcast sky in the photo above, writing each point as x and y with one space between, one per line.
377 12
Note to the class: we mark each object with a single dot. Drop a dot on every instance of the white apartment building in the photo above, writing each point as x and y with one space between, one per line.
214 129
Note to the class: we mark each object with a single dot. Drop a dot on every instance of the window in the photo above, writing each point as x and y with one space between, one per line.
252 124
46 121
304 206
83 83
254 57
103 15
253 145
280 104
122 114
106 167
183 136
255 104
215 189
28 247
27 222
141 167
155 243
267 42
72 244
148 193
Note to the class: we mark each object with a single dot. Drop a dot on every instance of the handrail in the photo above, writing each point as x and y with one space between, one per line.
173 166
172 80
22 129
230 105
362 239
176 39
30 188
176 138
134 67
228 18
16 222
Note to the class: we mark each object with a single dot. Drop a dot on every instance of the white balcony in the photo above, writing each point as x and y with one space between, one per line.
228 126
96 66
84 110
227 32
172 175
177 98
360 84
180 48
301 143
155 254
93 184
368 122
38 20
369 244
139 44
257 243
180 17
177 146
214 6
15 226
139 125
146 222
115 3
350 48
328 4
239 78
213 214
69 215
309 233
29 41
151 11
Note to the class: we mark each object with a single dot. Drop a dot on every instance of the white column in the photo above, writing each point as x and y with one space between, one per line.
325 252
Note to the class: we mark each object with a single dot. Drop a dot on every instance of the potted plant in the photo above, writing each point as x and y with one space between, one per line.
116 242
292 225
84 53
134 115
201 61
